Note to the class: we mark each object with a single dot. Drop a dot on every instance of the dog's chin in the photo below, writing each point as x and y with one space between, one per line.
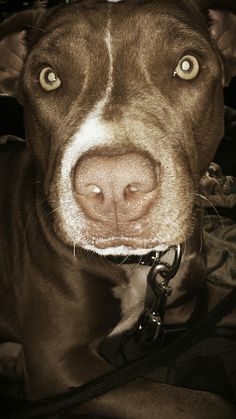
122 246
123 250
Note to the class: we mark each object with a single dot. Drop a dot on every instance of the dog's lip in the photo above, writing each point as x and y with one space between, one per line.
123 250
124 246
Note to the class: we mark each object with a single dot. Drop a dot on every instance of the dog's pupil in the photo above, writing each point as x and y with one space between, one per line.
51 77
186 65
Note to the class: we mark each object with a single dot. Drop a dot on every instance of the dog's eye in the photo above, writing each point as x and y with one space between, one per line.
187 68
49 79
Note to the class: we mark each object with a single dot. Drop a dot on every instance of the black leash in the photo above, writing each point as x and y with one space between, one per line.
126 373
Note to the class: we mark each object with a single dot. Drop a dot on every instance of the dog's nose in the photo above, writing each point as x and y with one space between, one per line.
116 188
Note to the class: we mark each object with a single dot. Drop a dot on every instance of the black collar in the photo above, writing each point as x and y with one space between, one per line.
145 260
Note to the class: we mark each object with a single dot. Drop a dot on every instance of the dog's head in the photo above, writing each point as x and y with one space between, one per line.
124 111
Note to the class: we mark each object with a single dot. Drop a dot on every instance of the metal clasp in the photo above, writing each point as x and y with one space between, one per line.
150 324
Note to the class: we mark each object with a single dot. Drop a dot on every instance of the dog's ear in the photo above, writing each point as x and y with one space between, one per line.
13 48
223 32
222 21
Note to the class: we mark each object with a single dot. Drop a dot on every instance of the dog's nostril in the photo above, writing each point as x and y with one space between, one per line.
91 193
87 189
132 188
96 189
130 191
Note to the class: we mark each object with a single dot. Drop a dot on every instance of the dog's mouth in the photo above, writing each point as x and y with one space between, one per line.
123 246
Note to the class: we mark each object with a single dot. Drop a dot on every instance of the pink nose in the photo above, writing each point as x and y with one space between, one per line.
116 188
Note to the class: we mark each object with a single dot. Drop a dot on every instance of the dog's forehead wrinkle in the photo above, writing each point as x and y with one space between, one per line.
85 21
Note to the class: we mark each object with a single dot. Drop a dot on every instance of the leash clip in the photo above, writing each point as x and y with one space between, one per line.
150 324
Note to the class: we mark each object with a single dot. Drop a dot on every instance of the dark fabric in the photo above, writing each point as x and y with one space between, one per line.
226 152
11 117
209 365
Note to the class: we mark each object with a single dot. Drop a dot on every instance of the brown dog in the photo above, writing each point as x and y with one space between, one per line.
123 113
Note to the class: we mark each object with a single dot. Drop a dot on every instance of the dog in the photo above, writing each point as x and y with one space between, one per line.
123 110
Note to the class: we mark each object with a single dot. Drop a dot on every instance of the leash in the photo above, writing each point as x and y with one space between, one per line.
138 368
124 374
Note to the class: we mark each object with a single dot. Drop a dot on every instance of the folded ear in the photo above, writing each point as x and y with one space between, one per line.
13 48
223 32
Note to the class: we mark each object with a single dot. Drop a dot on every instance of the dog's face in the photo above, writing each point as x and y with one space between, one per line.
124 111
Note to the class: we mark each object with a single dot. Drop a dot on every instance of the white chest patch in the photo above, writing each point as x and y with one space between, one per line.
132 297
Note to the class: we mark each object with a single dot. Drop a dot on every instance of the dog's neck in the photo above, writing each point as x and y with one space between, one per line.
185 286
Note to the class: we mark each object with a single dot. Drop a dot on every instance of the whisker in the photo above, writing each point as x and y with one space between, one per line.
123 261
74 251
211 205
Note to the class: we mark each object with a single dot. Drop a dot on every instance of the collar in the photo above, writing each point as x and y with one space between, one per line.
146 260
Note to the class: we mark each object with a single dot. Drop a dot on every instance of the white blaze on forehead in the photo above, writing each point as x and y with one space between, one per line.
93 131
108 40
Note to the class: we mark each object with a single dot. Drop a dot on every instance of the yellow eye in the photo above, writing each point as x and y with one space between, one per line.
188 68
49 79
